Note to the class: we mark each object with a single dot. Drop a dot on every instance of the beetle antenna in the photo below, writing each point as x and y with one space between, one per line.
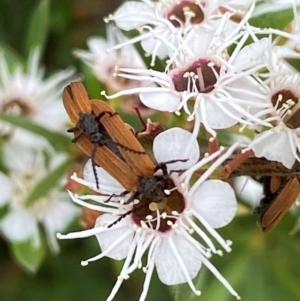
94 165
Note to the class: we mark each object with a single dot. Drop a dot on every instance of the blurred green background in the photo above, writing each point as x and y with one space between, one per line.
261 266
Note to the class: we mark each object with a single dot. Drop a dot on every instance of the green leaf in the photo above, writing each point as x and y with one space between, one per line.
294 63
296 227
182 292
60 142
38 27
3 166
47 183
279 19
28 255
235 267
4 210
12 58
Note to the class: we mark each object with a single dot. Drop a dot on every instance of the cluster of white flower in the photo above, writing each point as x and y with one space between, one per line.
29 158
220 72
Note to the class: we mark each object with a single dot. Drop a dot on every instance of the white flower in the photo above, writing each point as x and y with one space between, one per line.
53 210
280 89
212 87
104 63
26 93
164 228
163 24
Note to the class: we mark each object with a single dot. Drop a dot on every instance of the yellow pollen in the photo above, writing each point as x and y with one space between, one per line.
153 206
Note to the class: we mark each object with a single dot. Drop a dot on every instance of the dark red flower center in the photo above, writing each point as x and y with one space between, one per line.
200 77
183 10
287 101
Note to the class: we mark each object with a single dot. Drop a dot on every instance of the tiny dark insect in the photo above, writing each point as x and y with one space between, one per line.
280 194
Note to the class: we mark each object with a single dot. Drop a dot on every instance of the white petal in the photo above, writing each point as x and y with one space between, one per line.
6 189
246 94
275 147
161 101
216 117
19 161
124 15
168 268
97 46
203 35
107 238
151 44
53 116
107 184
215 201
20 226
175 144
250 55
249 190
56 218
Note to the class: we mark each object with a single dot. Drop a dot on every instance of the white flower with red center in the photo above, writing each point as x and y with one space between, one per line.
282 142
162 226
278 87
163 24
53 210
212 87
104 63
27 93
